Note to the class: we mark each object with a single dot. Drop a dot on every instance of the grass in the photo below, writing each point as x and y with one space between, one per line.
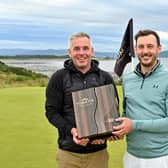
116 149
17 76
12 80
27 139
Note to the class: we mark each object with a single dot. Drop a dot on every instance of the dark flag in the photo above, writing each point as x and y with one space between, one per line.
126 51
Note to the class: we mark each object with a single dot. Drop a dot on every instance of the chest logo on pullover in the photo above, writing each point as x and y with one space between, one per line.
155 86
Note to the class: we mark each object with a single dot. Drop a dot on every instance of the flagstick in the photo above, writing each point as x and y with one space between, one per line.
132 64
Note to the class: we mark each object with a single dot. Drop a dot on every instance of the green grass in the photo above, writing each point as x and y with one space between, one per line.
27 139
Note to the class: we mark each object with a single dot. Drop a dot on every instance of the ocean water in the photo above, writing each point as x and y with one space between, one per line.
49 66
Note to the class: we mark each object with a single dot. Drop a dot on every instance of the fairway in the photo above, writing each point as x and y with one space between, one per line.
27 139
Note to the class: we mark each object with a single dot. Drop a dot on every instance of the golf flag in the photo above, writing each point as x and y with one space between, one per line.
126 51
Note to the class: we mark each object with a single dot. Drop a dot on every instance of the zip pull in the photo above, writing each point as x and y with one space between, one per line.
142 82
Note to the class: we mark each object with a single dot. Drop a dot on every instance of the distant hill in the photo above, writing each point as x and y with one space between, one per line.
48 52
164 54
56 52
18 51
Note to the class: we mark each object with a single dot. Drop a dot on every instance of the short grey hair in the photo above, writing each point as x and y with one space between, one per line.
79 34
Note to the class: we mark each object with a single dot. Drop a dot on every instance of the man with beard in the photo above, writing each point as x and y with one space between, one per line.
145 120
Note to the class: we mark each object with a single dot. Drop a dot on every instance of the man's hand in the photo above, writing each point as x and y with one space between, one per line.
98 141
79 141
124 128
115 138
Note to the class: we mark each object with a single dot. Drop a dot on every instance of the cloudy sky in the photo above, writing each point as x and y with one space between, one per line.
45 24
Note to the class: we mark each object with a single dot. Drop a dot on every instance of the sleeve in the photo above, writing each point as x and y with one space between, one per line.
54 103
109 80
155 125
124 104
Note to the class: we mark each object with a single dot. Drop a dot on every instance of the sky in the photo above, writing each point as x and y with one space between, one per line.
48 24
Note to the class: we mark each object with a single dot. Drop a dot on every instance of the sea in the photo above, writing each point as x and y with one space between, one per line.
49 66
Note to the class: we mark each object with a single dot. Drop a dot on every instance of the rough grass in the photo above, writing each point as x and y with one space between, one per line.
17 76
13 80
27 139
